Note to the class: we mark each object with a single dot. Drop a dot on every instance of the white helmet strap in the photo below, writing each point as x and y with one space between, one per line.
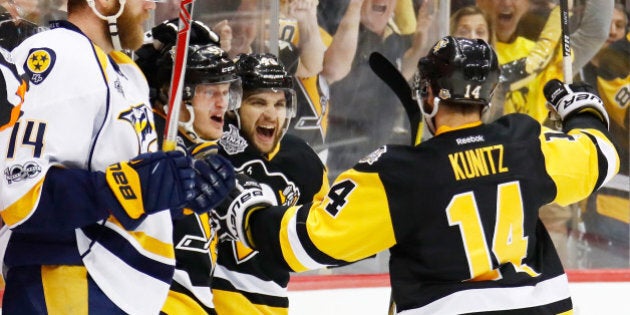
111 21
428 117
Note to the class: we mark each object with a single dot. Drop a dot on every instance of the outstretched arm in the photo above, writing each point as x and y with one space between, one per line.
351 223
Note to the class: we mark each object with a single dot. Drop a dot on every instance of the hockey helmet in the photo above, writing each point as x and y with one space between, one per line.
155 57
264 72
209 64
459 70
206 64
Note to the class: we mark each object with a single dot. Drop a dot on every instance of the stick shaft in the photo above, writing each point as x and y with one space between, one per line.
177 77
387 72
566 42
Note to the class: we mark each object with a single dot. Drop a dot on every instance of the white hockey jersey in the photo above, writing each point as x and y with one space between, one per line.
84 110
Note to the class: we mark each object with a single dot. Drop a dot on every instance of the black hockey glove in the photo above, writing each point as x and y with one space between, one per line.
567 100
231 216
148 183
166 33
215 180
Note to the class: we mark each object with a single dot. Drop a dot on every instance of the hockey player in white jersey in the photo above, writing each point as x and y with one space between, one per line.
86 231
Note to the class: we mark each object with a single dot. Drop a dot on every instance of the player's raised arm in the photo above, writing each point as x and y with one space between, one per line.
585 130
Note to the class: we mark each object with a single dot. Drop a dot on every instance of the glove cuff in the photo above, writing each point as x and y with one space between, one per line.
248 201
106 199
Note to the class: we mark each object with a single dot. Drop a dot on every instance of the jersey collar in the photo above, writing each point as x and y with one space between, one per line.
445 129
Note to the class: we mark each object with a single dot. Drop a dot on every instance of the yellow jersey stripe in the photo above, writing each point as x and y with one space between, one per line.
23 207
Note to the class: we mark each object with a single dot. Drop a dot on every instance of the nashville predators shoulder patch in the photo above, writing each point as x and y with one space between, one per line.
39 63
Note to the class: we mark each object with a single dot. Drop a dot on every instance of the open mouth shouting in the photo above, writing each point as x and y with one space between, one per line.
266 134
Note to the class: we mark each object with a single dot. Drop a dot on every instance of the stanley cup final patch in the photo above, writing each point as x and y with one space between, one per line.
39 63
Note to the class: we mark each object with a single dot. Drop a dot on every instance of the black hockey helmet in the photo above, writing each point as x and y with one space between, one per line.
206 62
459 70
265 72
209 64
262 71
155 57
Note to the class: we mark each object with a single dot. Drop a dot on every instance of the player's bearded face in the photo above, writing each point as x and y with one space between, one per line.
131 22
262 118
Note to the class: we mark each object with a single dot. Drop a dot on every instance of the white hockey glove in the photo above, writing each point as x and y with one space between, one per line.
231 216
567 100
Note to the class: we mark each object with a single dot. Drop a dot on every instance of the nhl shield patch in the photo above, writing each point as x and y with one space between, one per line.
39 63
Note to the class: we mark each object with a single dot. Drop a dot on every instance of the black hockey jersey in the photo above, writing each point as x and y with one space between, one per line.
195 251
245 282
458 212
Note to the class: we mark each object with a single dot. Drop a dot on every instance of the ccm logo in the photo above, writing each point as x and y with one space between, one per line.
122 182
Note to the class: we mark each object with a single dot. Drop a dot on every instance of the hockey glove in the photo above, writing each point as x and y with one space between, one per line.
247 197
148 183
215 180
567 100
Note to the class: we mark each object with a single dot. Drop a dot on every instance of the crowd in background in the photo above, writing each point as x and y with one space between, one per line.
345 111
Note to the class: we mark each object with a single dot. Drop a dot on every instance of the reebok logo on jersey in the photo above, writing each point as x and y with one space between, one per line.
39 63
470 139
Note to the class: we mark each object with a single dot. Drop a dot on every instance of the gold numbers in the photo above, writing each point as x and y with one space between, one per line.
509 243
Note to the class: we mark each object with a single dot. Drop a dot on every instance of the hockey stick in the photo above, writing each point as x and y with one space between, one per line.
566 43
567 70
387 72
177 77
